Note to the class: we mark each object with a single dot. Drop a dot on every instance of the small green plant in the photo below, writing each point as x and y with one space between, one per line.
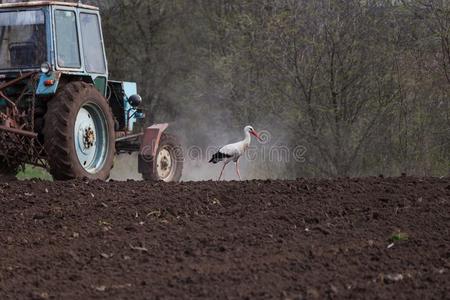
399 236
31 172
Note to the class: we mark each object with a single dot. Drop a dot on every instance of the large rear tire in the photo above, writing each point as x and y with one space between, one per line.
167 165
79 133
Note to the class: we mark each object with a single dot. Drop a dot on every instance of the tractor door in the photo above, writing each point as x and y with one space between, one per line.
93 48
79 44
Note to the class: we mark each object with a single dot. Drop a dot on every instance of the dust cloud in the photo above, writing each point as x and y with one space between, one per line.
125 168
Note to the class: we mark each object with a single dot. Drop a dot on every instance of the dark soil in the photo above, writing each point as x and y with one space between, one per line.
305 239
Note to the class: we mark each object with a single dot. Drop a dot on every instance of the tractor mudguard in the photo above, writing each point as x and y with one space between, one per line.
151 138
149 146
48 84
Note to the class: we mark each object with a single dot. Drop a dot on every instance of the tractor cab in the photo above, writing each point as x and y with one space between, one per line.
53 37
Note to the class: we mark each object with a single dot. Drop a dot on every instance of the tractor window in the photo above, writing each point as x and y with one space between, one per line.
22 39
67 39
94 59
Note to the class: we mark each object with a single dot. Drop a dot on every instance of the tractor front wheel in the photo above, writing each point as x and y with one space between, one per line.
79 133
167 165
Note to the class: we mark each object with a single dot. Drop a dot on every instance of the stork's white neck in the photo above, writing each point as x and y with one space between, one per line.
248 138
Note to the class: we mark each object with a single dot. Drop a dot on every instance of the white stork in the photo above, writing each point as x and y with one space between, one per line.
233 152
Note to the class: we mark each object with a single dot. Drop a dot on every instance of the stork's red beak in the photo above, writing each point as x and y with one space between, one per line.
256 135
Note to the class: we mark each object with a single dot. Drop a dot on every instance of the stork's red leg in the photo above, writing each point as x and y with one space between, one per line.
221 173
237 170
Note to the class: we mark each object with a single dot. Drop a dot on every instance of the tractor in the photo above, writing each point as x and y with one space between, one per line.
58 108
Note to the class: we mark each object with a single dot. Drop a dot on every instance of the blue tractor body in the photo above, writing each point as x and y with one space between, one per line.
54 52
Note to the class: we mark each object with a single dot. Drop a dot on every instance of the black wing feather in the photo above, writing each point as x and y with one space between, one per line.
219 156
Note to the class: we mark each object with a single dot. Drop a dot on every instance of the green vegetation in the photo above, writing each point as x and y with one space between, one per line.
31 172
399 237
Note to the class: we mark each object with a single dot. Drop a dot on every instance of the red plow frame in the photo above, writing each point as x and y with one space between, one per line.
19 144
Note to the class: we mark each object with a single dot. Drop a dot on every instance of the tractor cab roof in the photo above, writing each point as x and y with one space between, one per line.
46 3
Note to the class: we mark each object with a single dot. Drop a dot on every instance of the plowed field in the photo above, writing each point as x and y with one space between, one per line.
372 238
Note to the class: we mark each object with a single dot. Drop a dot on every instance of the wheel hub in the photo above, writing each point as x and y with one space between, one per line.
164 164
89 138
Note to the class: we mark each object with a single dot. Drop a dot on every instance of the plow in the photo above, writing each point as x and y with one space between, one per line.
58 108
19 142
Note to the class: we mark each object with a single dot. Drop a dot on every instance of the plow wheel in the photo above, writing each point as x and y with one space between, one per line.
167 165
79 133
